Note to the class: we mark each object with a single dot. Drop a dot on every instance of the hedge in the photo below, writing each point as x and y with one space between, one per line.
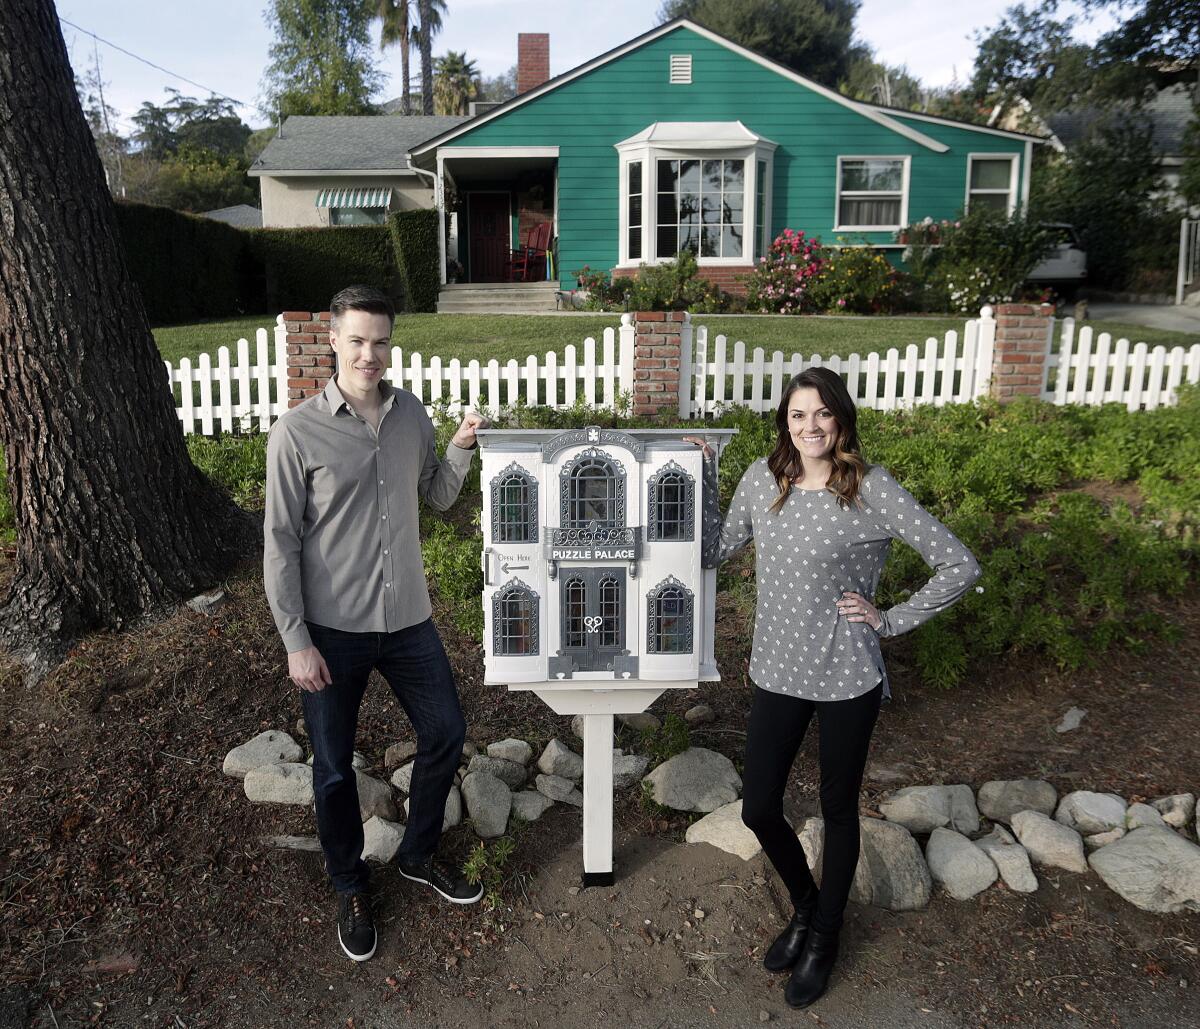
305 267
415 243
188 267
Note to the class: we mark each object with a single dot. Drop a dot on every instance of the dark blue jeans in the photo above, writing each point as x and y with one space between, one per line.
414 664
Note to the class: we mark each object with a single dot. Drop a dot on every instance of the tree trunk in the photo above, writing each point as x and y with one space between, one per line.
113 521
426 41
405 52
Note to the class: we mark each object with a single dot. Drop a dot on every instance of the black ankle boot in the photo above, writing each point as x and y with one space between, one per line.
785 951
810 977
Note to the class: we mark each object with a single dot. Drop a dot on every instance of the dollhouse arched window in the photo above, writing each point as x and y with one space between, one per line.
672 504
514 620
593 490
514 506
669 628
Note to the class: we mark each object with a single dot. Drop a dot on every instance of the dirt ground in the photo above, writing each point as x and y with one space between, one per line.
134 891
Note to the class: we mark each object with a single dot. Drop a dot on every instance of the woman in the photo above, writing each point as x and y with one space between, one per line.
822 520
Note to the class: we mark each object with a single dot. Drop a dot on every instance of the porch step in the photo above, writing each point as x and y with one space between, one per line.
498 298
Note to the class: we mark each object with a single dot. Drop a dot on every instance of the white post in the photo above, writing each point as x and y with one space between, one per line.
1182 273
598 800
685 367
628 334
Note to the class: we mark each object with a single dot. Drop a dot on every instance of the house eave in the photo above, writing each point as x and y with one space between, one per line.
324 173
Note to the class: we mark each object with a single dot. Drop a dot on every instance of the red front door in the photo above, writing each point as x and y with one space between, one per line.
490 237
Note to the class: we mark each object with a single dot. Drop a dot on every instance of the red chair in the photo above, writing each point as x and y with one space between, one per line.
531 255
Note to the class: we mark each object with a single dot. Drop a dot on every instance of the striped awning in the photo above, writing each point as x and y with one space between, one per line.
354 197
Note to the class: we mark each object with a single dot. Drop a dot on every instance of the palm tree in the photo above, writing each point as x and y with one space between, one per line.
429 12
396 30
455 84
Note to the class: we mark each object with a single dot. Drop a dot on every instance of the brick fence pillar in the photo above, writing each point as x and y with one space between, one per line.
656 361
1021 348
309 357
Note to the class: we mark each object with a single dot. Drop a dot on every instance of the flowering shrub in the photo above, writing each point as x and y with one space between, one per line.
856 280
783 280
670 286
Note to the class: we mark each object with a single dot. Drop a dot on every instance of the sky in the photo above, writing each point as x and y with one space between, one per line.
223 44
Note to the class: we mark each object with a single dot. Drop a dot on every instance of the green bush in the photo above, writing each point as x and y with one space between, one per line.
304 268
417 253
855 280
670 286
187 267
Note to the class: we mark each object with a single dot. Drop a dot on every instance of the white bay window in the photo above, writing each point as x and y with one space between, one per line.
698 186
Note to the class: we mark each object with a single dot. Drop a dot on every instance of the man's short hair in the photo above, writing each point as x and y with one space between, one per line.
361 298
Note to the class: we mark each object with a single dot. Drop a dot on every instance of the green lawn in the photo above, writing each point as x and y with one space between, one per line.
467 336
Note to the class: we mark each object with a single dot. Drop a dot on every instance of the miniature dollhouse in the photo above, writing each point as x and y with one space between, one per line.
594 594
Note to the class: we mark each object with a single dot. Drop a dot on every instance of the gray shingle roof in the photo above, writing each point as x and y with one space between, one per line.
243 216
346 143
1168 113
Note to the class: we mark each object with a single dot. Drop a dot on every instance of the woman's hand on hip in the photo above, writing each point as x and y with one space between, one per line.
858 608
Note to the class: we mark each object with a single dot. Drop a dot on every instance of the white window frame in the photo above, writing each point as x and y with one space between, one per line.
650 156
906 169
1013 160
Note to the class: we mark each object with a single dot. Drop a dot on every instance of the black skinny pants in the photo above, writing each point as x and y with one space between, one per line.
776 728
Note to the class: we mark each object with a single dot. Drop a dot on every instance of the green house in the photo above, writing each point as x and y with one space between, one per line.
681 138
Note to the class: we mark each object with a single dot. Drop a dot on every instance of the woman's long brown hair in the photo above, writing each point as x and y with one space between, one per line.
849 467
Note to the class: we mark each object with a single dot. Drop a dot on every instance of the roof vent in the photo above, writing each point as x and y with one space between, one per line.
681 69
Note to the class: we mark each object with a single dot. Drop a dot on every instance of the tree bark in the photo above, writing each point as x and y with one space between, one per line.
114 523
426 42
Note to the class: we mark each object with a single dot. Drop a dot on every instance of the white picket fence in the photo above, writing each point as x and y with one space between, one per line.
715 373
1099 372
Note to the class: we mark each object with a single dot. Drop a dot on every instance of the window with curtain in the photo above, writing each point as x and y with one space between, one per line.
700 207
991 183
870 192
515 620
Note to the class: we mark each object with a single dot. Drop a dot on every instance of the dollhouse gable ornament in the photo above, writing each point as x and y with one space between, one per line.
594 594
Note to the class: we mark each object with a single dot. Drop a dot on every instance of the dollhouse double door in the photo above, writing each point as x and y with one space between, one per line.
592 616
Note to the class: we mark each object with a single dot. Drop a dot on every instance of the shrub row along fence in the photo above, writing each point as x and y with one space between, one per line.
655 362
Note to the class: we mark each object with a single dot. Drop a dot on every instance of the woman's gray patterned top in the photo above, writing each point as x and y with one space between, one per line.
807 555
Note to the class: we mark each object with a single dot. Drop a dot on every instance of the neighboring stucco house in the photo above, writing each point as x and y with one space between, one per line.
322 171
681 138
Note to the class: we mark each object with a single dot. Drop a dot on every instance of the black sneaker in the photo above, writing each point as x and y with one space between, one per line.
356 928
450 883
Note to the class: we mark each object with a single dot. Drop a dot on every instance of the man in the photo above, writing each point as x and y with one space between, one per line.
346 584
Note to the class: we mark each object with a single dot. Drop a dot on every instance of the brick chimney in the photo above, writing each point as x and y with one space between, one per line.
533 60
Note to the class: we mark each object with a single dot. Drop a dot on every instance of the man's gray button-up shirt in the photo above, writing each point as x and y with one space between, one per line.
341 540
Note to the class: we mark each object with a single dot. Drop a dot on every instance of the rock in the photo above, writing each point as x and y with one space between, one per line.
554 786
489 801
287 783
1010 858
1000 799
922 809
1143 816
508 772
453 811
1087 812
402 778
888 774
301 728
1049 842
577 726
696 780
628 769
381 839
357 762
558 759
891 870
725 830
1177 810
958 865
529 805
1102 839
1071 720
574 798
701 714
398 754
640 721
375 798
469 751
1154 869
517 751
208 604
267 748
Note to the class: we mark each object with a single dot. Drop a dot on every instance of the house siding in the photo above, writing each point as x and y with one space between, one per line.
584 118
